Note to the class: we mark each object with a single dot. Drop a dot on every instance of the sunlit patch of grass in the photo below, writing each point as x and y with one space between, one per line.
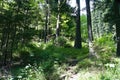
85 63
112 72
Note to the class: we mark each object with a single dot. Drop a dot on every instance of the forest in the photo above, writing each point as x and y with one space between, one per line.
52 40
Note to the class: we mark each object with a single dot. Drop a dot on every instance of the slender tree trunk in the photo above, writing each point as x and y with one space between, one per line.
78 41
117 15
6 45
49 15
89 26
118 39
3 37
58 21
46 27
13 38
46 21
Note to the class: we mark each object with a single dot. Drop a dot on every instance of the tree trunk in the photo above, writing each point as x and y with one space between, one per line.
46 27
5 45
13 41
117 21
46 21
58 21
89 26
118 39
78 41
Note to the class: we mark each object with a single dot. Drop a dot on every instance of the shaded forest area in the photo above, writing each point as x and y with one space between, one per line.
51 40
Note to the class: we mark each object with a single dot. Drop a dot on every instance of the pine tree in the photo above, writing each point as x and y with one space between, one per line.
78 41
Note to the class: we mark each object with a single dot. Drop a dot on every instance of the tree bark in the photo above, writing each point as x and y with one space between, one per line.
46 27
118 39
78 41
117 22
47 15
89 26
58 21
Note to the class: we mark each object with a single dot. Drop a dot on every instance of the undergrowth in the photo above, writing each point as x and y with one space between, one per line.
50 61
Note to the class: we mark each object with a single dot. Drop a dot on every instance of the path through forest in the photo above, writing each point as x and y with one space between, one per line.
73 74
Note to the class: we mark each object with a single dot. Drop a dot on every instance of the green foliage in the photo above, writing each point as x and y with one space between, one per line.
61 41
23 22
30 72
99 15
105 48
111 73
25 55
84 28
51 60
48 58
105 39
85 63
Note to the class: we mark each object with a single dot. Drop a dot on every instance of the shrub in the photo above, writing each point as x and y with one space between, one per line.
30 72
61 41
67 45
25 57
85 63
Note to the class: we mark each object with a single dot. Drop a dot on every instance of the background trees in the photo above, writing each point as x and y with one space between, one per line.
47 34
111 16
16 25
27 22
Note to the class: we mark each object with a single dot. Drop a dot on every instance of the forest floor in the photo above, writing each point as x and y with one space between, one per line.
82 75
75 72
49 62
108 71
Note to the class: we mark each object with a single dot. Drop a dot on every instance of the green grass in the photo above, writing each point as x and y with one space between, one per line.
46 56
52 61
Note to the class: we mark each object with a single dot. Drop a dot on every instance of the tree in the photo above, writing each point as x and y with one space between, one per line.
116 4
113 16
99 25
47 16
78 41
19 16
89 26
58 20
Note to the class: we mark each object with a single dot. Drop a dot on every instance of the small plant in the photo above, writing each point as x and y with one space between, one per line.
112 72
30 72
85 63
61 41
